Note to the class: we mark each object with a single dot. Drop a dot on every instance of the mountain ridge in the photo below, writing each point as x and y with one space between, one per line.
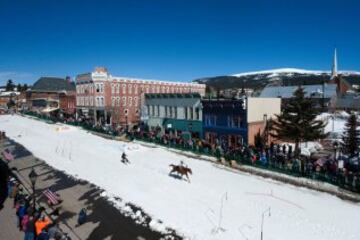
282 76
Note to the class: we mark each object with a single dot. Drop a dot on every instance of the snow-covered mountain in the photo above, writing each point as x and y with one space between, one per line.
284 76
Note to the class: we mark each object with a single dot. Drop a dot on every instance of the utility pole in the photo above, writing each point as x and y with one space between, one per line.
262 221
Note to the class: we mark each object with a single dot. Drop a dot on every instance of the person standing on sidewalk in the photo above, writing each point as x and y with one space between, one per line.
30 229
82 216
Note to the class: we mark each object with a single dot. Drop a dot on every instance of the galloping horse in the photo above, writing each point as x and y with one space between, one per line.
182 170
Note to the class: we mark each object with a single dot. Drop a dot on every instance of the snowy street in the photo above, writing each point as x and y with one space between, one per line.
217 204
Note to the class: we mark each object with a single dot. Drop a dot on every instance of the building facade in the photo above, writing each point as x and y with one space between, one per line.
118 101
233 123
53 96
176 113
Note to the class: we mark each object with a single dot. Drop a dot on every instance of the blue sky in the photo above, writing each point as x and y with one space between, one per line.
174 40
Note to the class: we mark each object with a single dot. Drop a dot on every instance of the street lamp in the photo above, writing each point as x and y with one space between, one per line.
266 129
190 129
33 176
126 123
336 146
262 220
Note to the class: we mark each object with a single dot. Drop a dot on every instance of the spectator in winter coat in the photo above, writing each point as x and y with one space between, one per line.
30 229
24 222
82 216
53 229
10 186
44 235
21 212
40 224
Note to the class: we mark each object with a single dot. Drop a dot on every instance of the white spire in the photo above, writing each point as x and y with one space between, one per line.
334 67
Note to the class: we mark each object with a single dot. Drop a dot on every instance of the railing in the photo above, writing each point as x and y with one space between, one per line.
349 182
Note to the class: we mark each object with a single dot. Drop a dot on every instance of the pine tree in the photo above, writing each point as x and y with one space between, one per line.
351 137
10 85
297 123
19 88
259 141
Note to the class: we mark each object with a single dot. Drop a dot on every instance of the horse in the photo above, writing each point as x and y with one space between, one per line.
182 170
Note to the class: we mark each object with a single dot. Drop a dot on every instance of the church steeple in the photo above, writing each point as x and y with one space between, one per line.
334 66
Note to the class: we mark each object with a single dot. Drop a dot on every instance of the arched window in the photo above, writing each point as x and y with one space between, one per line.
135 101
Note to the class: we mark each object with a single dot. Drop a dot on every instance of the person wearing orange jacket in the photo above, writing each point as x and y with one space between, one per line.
40 224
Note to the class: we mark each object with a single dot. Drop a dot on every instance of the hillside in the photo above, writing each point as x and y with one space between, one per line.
284 76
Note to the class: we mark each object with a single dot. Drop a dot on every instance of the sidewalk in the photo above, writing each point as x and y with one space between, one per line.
104 220
8 222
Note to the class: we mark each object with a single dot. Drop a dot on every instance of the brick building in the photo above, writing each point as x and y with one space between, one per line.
118 101
52 95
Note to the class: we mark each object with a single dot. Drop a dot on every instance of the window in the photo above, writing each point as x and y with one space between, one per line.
91 101
126 112
112 88
210 120
185 112
102 101
135 101
197 114
130 101
136 89
158 110
118 101
153 110
124 101
97 88
191 113
124 88
175 112
117 88
130 88
166 111
170 112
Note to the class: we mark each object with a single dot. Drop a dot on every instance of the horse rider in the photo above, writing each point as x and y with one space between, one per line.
182 164
124 158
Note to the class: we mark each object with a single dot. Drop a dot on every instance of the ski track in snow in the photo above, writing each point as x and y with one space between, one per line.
217 204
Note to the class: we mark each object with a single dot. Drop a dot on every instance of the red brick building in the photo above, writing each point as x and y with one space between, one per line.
110 100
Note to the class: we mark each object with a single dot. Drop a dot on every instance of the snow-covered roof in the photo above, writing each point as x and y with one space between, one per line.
311 91
9 93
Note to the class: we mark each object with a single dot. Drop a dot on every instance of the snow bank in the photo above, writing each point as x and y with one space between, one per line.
217 204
